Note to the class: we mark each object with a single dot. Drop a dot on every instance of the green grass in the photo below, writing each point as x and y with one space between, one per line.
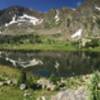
10 93
32 42
9 72
94 87
14 93
46 47
42 47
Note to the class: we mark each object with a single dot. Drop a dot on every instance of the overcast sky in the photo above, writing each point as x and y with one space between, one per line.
41 5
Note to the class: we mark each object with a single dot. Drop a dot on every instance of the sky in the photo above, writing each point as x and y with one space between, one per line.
41 5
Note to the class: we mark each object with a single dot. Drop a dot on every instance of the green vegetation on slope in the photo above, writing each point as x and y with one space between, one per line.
12 92
9 72
94 86
45 43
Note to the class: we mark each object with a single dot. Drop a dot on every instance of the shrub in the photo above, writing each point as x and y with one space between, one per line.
94 88
93 43
21 39
22 78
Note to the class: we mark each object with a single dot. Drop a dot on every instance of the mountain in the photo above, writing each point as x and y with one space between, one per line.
64 23
9 13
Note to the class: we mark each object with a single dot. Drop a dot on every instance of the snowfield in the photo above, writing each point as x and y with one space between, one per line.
11 22
98 8
31 19
57 16
25 18
77 34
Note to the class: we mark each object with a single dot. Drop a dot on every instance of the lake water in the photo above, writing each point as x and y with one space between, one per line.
56 63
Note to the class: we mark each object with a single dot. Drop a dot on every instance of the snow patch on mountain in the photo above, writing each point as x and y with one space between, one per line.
31 19
77 34
13 21
25 18
98 8
73 9
57 16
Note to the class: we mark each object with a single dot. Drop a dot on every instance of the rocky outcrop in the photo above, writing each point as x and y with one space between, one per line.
79 94
56 21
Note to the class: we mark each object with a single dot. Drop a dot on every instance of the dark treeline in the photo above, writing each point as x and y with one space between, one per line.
10 39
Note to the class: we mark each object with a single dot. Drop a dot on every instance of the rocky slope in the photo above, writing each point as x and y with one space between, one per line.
64 23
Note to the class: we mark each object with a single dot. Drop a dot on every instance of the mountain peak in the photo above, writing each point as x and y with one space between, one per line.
63 20
91 3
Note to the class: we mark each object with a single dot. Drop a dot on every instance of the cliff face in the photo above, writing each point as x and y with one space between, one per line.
85 21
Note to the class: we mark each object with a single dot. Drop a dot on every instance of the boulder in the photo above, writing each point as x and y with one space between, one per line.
27 93
41 98
46 84
79 94
1 83
14 82
22 86
8 82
